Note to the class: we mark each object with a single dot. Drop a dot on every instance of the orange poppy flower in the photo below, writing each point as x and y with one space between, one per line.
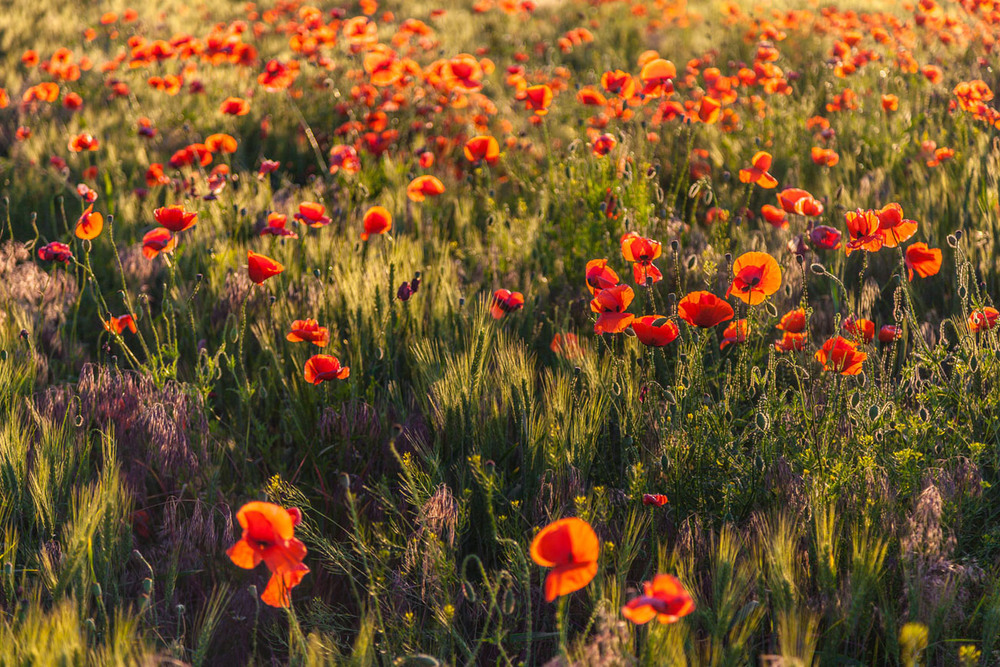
708 111
824 156
756 277
485 148
890 103
794 321
504 301
641 252
276 226
599 276
888 333
309 331
590 97
825 237
655 330
619 83
83 142
156 241
922 260
570 547
424 186
155 175
663 598
344 158
260 267
893 227
859 329
774 216
655 499
175 218
800 202
118 324
657 78
235 106
312 214
790 341
611 304
758 173
863 229
537 99
704 309
89 225
735 333
841 355
603 145
269 536
324 368
377 220
982 320
221 143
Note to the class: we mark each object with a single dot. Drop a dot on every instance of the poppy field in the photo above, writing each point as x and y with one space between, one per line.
506 332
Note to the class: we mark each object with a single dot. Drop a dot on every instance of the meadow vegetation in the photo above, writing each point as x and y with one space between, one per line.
788 403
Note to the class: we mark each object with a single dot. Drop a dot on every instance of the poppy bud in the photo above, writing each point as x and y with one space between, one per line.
873 413
952 240
762 421
729 258
24 334
3 355
252 589
180 609
726 176
674 245
415 284
461 302
958 234
404 292
91 626
96 590
800 260
818 269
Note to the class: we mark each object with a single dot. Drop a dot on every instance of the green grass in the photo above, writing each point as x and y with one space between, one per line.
815 518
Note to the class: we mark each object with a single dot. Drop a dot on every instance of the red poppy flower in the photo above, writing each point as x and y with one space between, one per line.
756 277
794 321
657 77
483 148
800 202
888 333
570 547
269 536
841 355
642 251
859 329
424 186
863 230
611 304
566 345
83 142
235 106
377 220
118 324
599 276
619 83
790 341
504 301
175 218
603 145
276 226
312 214
825 237
774 216
733 334
758 173
346 158
89 225
663 598
324 368
155 175
538 98
704 309
923 261
156 241
983 320
88 195
260 268
55 251
309 331
655 330
655 499
893 227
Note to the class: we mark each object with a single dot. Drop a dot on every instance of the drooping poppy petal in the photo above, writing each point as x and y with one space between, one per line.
570 547
260 267
704 309
377 220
